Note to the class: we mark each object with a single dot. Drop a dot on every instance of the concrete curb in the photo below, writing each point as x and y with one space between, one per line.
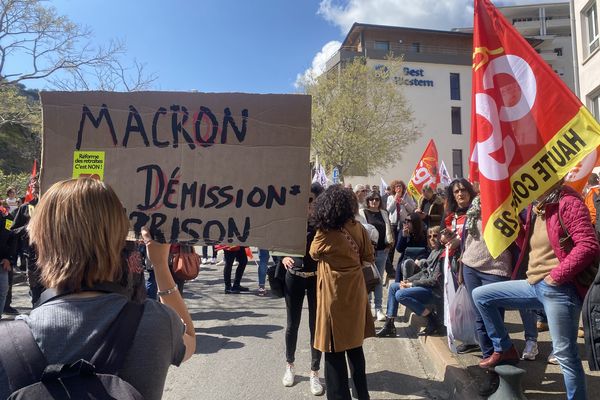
459 382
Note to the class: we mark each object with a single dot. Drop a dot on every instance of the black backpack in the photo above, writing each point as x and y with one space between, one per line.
591 324
30 376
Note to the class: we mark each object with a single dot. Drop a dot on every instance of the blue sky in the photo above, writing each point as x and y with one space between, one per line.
254 46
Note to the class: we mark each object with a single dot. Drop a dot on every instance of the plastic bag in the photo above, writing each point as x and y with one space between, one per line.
462 316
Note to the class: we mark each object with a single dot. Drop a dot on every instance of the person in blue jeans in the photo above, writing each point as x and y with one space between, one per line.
480 268
377 216
421 292
263 263
560 243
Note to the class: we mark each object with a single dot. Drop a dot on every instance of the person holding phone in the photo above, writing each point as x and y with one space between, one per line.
77 260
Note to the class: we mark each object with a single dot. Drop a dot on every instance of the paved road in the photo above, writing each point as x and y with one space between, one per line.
240 350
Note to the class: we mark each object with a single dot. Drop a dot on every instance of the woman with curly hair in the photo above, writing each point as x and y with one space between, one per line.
343 319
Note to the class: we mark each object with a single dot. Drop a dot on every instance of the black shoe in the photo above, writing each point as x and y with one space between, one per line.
466 348
240 288
431 328
490 384
8 310
388 330
232 290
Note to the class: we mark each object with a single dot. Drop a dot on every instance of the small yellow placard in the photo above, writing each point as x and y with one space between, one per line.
88 164
7 224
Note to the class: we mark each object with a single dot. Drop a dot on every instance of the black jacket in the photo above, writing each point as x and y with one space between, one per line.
19 230
5 240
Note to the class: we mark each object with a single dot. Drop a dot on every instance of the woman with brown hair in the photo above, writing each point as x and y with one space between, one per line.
398 207
79 230
343 318
375 215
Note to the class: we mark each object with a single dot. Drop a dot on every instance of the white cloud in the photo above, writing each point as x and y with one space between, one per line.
318 63
431 14
428 14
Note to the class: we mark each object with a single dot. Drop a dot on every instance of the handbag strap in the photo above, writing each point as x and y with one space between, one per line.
562 225
352 243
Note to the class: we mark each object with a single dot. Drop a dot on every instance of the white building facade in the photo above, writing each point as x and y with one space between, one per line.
436 81
586 24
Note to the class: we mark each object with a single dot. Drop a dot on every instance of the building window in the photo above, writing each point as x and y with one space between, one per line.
591 22
380 45
415 47
456 121
594 104
454 86
457 165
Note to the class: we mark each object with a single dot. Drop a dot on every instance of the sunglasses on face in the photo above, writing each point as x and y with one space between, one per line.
431 236
375 199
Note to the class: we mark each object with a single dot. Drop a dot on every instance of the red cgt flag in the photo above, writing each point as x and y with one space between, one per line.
29 194
528 130
426 171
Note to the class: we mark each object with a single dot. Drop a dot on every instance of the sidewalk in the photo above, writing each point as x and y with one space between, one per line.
462 375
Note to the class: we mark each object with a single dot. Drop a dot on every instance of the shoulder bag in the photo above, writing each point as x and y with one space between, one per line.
186 263
369 269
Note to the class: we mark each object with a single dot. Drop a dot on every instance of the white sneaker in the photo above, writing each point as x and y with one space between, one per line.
213 260
315 384
288 377
530 350
235 263
220 263
380 315
552 359
204 260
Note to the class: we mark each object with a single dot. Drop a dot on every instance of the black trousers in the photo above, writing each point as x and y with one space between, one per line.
296 287
336 374
389 263
205 252
230 257
9 293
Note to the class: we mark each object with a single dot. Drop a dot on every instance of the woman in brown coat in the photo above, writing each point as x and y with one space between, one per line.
343 316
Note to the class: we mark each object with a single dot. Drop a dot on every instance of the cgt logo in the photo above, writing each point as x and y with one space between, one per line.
485 153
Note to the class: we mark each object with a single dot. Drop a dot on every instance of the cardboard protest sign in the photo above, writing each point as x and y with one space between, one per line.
195 168
528 129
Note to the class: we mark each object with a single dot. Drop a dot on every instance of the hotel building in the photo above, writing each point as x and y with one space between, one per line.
436 80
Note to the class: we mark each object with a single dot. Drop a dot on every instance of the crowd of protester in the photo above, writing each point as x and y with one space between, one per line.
538 275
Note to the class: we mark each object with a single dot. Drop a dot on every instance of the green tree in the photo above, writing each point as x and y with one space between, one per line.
36 43
361 121
51 46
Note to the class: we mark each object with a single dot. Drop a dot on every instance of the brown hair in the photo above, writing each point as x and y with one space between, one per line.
78 230
395 183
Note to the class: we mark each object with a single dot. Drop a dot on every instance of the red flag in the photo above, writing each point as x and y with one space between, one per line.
577 177
29 195
528 129
426 171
